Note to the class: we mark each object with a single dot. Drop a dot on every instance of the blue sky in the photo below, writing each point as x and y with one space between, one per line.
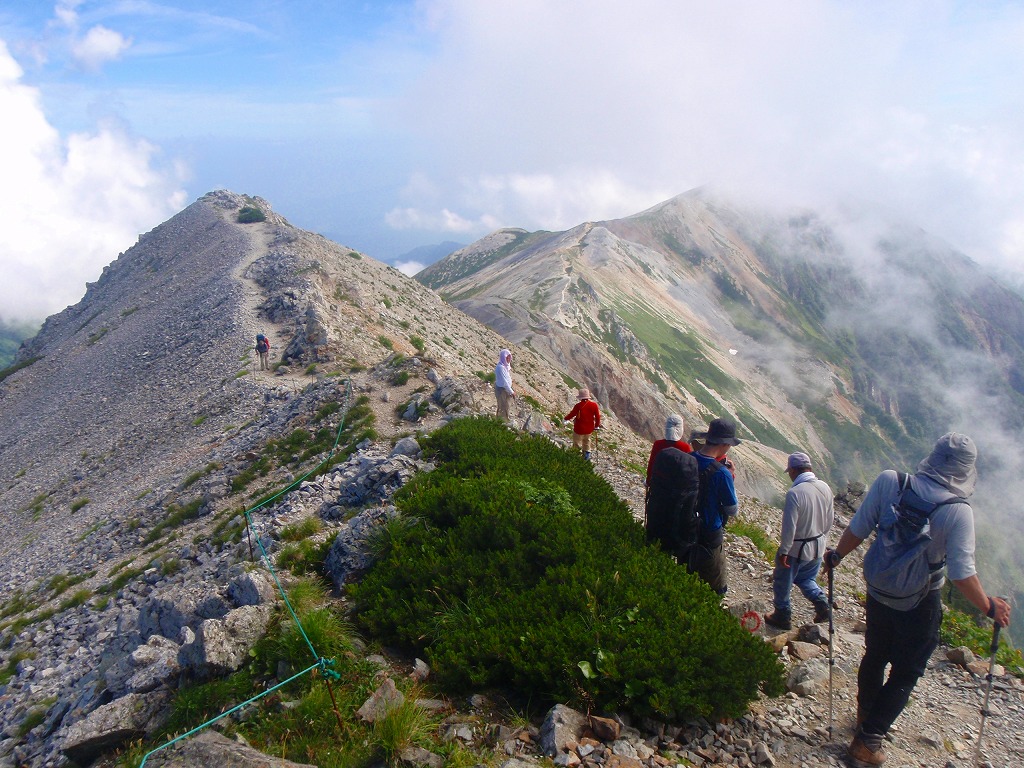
387 125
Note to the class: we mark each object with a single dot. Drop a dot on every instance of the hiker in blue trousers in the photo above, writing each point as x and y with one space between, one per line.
807 517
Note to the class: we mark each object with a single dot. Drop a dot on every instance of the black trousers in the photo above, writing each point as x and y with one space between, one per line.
904 639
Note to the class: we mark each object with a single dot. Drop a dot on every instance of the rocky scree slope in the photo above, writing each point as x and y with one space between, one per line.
137 427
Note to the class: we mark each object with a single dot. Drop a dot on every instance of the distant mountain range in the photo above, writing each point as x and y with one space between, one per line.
855 339
428 254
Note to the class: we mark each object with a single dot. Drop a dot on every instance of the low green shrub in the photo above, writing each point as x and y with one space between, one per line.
418 343
250 215
960 628
77 504
515 566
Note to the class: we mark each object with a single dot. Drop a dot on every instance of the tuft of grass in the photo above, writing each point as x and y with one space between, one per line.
32 719
79 597
198 420
77 504
8 671
385 342
402 726
756 534
302 530
418 343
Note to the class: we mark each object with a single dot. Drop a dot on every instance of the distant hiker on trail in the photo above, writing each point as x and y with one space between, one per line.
586 418
673 439
263 350
716 503
503 392
903 618
807 518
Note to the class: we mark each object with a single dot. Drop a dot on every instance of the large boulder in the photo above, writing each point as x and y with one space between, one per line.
183 606
211 748
107 727
222 645
252 588
146 668
350 555
562 725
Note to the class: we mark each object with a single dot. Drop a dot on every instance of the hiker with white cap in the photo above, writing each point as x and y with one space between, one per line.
903 618
807 517
673 439
503 392
586 417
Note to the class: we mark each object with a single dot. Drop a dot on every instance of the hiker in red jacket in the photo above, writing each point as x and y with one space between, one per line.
586 418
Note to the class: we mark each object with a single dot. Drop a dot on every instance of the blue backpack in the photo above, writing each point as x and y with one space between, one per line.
896 565
262 345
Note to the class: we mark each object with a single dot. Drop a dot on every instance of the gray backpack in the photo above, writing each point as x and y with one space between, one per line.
896 565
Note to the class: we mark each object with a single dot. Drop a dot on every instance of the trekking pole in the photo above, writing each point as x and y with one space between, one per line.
831 656
988 689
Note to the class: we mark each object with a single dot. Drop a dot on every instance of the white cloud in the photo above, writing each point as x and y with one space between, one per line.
410 268
583 114
443 220
68 204
98 46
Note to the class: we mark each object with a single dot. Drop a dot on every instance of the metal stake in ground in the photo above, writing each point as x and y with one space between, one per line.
988 689
831 656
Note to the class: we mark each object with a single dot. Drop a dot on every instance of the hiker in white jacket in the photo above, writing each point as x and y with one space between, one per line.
503 392
806 520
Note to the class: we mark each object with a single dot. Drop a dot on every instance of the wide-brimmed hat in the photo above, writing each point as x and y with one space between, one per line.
584 394
798 461
721 432
951 463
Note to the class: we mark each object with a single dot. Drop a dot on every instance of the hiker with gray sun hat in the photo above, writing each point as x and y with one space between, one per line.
716 503
924 526
807 517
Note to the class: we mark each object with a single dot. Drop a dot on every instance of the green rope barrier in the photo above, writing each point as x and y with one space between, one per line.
325 666
222 715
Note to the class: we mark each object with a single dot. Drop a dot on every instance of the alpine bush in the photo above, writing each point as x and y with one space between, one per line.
514 565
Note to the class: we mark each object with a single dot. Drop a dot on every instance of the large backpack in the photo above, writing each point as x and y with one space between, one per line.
670 511
896 565
262 345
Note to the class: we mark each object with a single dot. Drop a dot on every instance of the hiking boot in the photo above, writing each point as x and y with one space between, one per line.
820 611
779 620
586 455
866 750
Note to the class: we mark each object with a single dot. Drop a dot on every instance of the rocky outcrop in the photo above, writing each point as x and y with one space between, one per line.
111 725
211 748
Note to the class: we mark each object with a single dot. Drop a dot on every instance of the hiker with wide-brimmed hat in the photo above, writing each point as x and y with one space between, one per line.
903 625
585 417
807 517
716 503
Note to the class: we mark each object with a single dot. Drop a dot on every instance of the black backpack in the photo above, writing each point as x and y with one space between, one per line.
670 510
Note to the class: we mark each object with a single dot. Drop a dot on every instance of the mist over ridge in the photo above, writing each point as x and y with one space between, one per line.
851 336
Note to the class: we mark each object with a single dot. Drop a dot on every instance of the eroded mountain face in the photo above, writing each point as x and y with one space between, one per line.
855 342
